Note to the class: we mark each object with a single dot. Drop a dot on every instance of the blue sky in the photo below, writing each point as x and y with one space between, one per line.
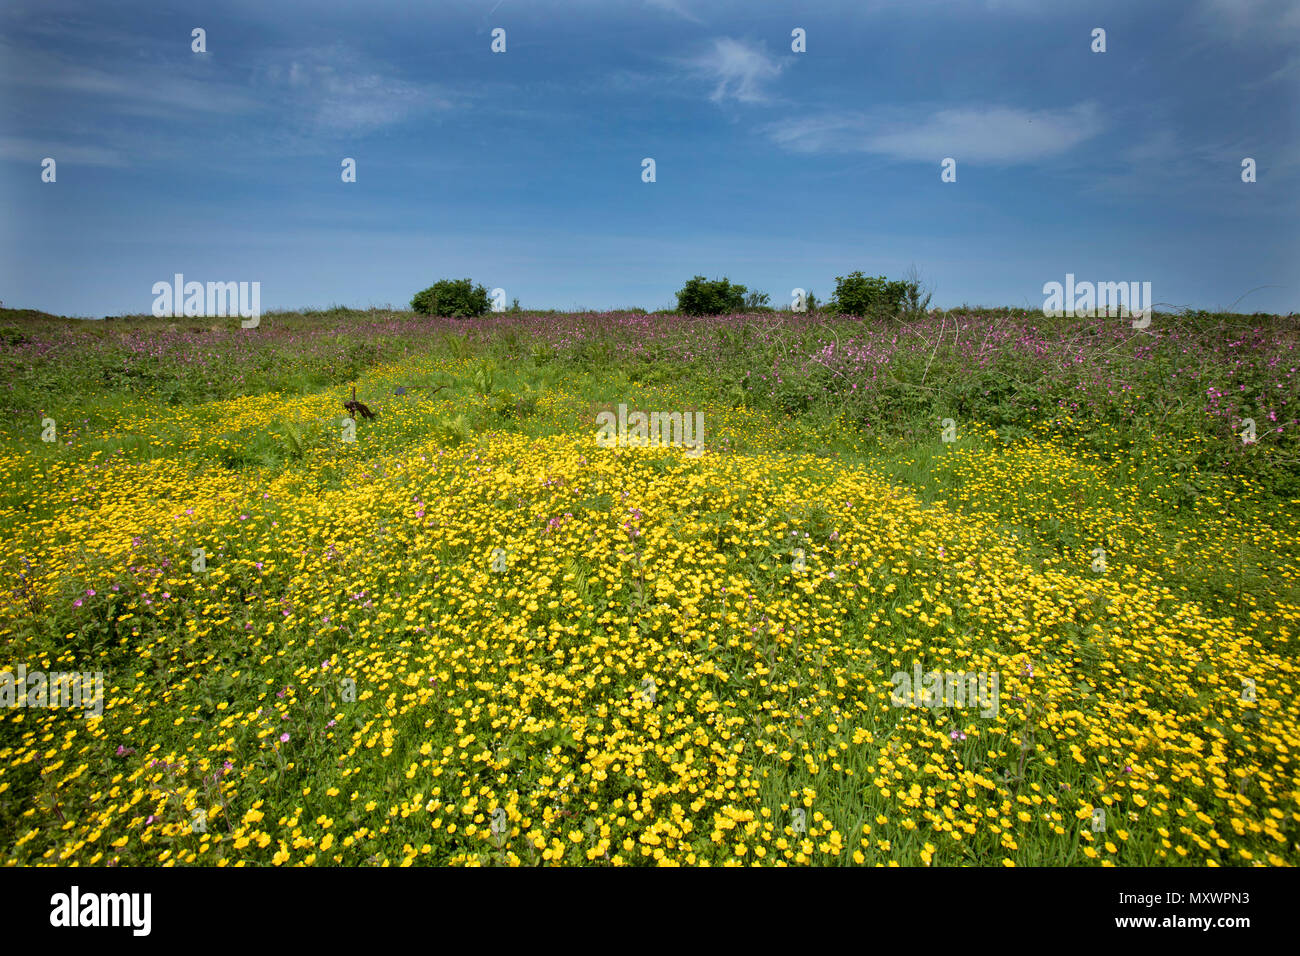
523 169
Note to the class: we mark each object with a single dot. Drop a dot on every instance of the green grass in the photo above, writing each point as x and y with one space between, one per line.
976 554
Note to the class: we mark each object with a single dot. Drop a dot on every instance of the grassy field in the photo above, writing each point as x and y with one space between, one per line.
476 636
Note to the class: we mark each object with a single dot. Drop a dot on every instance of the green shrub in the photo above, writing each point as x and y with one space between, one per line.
916 297
701 296
855 294
453 431
457 298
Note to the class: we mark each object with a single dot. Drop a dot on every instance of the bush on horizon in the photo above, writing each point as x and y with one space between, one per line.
701 296
856 294
452 298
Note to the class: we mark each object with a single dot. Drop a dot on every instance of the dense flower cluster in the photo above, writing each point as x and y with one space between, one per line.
527 648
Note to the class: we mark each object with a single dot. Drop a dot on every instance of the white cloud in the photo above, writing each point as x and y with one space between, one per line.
140 89
337 92
323 88
33 151
738 70
358 102
1253 21
995 135
674 6
1160 146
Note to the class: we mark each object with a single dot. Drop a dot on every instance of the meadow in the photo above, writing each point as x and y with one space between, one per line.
476 636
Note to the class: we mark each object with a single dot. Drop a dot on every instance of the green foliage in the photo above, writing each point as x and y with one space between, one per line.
520 404
701 296
483 378
855 294
294 439
456 345
12 336
916 299
453 431
914 303
454 298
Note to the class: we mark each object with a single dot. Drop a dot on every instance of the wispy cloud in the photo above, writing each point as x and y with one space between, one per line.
338 92
35 150
737 69
310 90
1261 25
1253 21
676 7
996 135
150 89
1194 172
